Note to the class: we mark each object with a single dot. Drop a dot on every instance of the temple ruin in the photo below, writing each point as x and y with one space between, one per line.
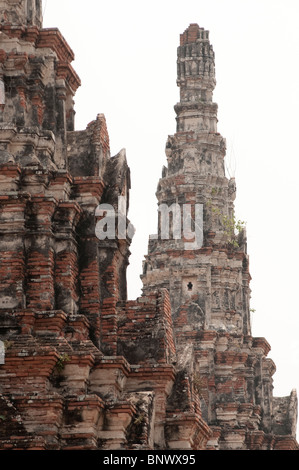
81 366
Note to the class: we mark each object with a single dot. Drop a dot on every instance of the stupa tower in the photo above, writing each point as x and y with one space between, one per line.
211 276
200 256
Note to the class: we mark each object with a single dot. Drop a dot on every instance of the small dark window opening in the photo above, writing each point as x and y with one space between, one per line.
190 286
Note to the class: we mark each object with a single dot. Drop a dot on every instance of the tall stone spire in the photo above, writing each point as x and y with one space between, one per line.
21 12
207 276
195 176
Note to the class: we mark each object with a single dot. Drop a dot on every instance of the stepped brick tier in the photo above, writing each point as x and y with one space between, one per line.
84 368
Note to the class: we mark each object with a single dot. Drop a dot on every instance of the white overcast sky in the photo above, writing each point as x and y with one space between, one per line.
126 58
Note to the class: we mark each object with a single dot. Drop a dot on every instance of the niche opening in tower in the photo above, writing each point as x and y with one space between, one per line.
190 286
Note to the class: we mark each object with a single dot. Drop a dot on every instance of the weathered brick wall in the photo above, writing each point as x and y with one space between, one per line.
145 332
84 368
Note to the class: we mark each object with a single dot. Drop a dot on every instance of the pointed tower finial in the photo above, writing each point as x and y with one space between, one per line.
21 12
196 65
192 33
196 80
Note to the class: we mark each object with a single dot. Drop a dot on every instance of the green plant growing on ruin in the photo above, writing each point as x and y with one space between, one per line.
232 226
139 419
8 345
61 362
